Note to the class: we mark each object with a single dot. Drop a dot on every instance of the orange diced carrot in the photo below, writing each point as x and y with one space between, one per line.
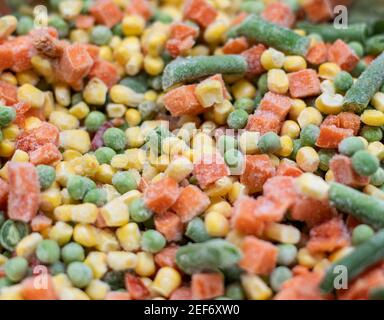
106 12
40 222
349 120
331 136
83 21
191 203
135 287
275 103
117 295
167 256
46 154
182 38
182 30
182 293
210 168
235 45
259 256
368 59
318 53
343 172
183 101
280 14
22 50
35 112
253 56
352 222
24 191
289 169
207 285
8 93
258 169
318 10
161 195
6 57
343 55
21 110
199 11
92 50
100 221
270 210
4 190
331 120
239 18
105 71
34 288
299 270
304 83
328 236
263 122
281 190
47 44
170 225
140 7
177 47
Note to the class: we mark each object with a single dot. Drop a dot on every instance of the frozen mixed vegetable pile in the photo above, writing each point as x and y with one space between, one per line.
198 149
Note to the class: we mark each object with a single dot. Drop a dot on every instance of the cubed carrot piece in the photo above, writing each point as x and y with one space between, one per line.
183 101
22 50
328 236
170 225
299 270
8 93
47 44
331 136
258 169
92 50
161 195
289 169
270 210
190 203
259 256
368 59
207 285
209 168
182 293
317 54
177 47
312 211
239 18
35 112
135 287
182 30
75 63
349 120
4 190
140 7
253 56
343 172
280 189
167 256
318 10
100 221
304 83
343 55
280 14
38 288
40 222
46 154
21 110
105 71
275 103
24 191
117 295
83 21
331 120
199 11
6 57
106 12
235 45
263 122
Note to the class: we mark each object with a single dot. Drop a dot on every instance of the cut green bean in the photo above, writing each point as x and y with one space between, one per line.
368 209
360 259
256 29
375 45
192 68
370 81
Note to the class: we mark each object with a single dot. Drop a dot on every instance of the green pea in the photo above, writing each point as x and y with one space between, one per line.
359 69
76 98
104 155
349 146
279 276
152 241
262 84
371 134
309 135
225 143
252 7
196 230
78 186
269 143
377 179
325 155
79 274
343 81
59 24
162 17
155 138
124 181
245 104
11 233
235 291
16 268
364 163
315 36
72 252
286 254
101 35
155 82
115 279
57 268
47 175
5 282
7 115
115 139
94 120
237 119
375 44
138 211
48 251
87 4
24 25
96 196
148 110
357 47
233 158
296 146
361 234
117 30
232 273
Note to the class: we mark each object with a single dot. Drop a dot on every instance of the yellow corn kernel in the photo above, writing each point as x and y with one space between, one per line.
220 187
135 159
78 140
70 9
307 159
84 213
238 189
248 142
79 110
199 50
13 292
121 260
3 259
97 289
135 138
28 76
372 118
43 67
216 31
150 95
166 281
61 232
64 121
221 112
63 213
115 213
145 266
155 43
27 246
312 186
73 294
243 89
294 63
133 25
115 42
376 148
62 94
272 59
328 70
374 191
339 254
329 103
291 129
255 288
106 53
11 132
61 282
322 265
85 165
8 25
79 36
282 233
297 106
179 168
49 104
85 235
222 207
129 236
286 146
153 65
97 261
329 177
105 173
327 86
216 224
115 110
235 237
209 92
30 94
378 101
50 199
308 116
106 241
133 117
308 260
20 156
7 148
95 92
8 77
125 95
278 81
32 123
